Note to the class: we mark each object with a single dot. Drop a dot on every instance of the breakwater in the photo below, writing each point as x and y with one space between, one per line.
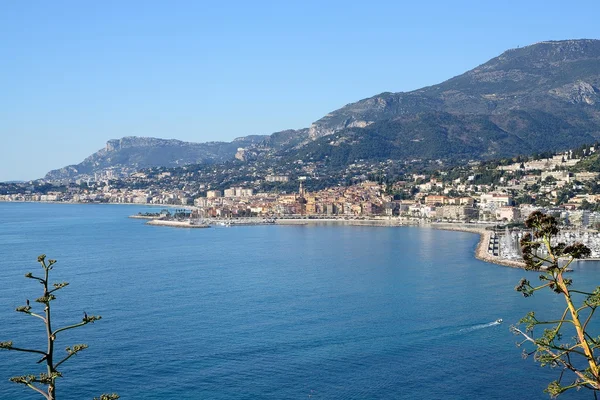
141 216
486 241
176 224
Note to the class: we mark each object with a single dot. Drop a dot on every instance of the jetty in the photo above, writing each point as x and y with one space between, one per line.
152 215
142 216
177 224
488 248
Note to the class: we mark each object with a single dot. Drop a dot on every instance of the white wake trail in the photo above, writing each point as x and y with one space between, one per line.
480 326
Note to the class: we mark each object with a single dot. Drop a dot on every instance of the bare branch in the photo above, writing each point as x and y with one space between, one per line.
9 346
71 352
58 286
86 320
28 381
31 276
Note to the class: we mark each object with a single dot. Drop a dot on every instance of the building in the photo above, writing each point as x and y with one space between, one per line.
495 199
432 200
558 175
238 192
508 214
277 178
457 213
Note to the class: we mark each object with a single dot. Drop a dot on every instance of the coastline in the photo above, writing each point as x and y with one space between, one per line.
481 252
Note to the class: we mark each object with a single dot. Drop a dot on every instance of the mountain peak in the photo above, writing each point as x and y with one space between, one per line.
545 96
543 54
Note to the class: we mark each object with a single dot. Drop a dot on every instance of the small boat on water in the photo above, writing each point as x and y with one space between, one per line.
499 320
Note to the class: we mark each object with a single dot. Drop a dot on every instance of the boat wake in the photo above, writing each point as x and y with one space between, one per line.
482 326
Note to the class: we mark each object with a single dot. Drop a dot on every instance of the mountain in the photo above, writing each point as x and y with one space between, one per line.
555 77
124 156
540 97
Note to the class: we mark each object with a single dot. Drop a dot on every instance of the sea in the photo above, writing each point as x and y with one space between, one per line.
267 312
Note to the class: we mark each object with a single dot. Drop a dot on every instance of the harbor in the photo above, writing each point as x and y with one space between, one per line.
186 218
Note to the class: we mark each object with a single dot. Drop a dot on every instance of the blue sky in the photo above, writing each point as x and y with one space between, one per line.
76 74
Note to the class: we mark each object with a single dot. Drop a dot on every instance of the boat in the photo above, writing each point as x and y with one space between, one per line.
499 321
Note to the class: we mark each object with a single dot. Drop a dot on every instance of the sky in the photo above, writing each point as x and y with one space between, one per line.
75 74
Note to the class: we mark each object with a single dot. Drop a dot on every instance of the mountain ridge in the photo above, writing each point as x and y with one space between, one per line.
543 96
127 155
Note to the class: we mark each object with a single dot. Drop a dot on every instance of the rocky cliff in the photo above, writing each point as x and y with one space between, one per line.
124 156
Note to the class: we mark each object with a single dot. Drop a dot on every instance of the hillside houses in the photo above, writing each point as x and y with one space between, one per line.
494 191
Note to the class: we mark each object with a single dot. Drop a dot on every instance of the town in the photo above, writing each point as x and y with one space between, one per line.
504 191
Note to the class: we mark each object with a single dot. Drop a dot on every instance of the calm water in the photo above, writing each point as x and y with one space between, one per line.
266 312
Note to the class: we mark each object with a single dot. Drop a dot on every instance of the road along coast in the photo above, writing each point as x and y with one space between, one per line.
350 221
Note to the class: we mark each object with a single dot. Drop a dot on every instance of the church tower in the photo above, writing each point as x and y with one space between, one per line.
301 191
301 197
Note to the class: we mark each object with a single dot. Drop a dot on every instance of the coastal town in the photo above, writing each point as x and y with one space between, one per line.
287 200
481 194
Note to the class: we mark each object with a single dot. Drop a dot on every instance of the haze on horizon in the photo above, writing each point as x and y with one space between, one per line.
75 75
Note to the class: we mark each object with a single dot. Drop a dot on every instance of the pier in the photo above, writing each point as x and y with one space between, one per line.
177 224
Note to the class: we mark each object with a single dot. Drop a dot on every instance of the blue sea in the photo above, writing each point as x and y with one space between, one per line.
267 312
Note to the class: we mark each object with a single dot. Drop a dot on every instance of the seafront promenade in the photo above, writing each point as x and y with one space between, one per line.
383 221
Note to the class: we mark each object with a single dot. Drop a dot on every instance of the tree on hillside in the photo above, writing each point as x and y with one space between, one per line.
566 342
45 382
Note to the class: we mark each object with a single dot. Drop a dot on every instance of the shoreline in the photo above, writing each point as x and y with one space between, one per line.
481 252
